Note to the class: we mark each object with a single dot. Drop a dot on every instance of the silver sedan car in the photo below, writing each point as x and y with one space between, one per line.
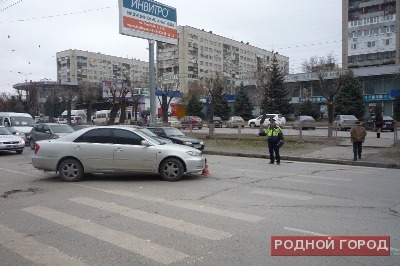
113 149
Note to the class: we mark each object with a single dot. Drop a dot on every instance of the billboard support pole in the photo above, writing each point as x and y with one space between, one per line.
151 83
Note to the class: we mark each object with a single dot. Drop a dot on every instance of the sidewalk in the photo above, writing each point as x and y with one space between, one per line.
372 155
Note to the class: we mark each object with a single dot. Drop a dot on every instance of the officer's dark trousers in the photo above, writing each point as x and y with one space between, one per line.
357 149
274 148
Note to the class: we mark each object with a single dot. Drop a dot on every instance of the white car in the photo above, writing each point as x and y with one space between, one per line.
112 149
10 142
280 120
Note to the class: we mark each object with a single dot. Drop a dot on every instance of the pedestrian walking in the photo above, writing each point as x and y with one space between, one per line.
378 124
275 141
322 111
357 135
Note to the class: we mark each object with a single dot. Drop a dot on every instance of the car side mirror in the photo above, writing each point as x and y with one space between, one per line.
145 143
47 132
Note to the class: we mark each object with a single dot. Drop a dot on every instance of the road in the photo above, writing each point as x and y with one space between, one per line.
226 218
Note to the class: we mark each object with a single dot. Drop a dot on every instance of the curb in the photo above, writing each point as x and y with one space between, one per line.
307 159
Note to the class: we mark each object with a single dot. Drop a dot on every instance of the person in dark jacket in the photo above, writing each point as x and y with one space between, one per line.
275 141
378 124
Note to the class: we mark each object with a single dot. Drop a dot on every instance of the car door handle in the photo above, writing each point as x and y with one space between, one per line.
78 147
118 149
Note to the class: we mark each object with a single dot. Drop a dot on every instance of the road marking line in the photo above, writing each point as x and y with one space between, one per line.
318 234
33 250
120 239
290 174
309 182
156 219
185 205
281 195
17 172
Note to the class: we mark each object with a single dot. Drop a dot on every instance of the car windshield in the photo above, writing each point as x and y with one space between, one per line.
216 118
306 118
4 131
22 121
61 129
173 132
148 132
172 119
387 118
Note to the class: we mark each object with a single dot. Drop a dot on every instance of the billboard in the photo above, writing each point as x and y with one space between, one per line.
148 19
108 86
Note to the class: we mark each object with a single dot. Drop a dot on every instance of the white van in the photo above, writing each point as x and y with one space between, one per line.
19 124
81 113
101 117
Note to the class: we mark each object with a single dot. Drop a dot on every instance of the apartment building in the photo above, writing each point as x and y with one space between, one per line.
75 66
370 30
201 54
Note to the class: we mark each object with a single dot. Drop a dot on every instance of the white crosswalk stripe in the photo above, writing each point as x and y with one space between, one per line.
121 239
178 225
33 250
186 205
281 195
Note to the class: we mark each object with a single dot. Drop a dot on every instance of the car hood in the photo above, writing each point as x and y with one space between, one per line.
7 138
184 138
22 129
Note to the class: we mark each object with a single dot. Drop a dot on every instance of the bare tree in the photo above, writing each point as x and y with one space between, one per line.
117 95
89 93
315 63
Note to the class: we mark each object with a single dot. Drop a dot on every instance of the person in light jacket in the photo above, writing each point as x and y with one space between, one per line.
275 141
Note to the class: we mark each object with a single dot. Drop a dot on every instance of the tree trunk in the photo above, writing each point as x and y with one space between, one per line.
113 114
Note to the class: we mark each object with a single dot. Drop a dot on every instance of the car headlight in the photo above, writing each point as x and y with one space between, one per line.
186 143
194 153
201 142
21 141
19 133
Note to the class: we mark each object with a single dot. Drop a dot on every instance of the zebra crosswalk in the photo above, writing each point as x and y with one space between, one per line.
31 248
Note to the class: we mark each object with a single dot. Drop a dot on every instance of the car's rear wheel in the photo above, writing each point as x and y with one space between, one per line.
171 170
70 170
19 151
252 125
32 144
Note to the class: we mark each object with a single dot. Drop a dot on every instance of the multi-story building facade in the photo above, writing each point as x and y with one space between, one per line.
370 30
75 66
201 54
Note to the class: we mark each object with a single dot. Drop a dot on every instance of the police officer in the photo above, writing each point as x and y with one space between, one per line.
275 141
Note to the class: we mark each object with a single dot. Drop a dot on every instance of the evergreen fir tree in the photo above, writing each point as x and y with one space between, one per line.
349 99
194 106
221 107
276 100
243 106
307 108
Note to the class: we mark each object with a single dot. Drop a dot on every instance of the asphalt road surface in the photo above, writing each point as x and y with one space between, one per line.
226 218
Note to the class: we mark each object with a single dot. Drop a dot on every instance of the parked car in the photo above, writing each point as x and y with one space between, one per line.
388 123
44 131
279 119
344 122
172 122
191 121
217 121
60 120
177 136
10 142
114 149
235 121
304 121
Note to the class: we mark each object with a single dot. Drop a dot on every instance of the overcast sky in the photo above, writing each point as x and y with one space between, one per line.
33 31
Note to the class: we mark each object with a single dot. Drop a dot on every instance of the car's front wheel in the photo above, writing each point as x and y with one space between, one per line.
171 170
70 170
19 151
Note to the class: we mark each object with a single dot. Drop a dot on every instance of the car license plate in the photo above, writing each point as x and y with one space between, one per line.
11 146
197 146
